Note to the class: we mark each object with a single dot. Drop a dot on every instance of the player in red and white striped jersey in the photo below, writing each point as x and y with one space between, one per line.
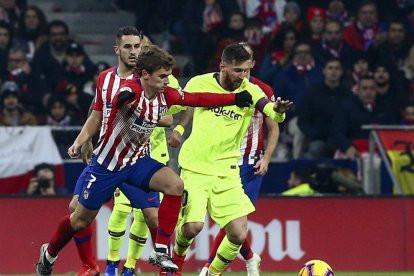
122 154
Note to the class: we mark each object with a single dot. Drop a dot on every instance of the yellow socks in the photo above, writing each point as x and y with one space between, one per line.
137 237
226 253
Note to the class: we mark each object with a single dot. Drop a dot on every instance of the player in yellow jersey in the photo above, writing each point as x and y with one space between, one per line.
209 159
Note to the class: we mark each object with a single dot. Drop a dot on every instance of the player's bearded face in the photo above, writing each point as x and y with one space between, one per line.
234 74
129 49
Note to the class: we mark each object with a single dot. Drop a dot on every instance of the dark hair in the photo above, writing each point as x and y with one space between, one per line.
57 23
42 28
153 58
367 3
332 59
235 53
396 21
335 21
57 99
366 78
42 166
303 173
246 44
277 41
5 25
128 30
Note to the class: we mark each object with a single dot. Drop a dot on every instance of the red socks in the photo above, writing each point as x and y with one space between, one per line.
61 237
84 245
167 218
246 250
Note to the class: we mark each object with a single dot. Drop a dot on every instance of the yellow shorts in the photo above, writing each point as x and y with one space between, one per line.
222 197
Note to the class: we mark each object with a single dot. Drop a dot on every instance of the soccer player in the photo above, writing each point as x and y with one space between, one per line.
122 153
209 160
127 47
253 163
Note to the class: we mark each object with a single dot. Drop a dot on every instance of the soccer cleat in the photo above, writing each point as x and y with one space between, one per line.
111 268
128 271
252 265
86 270
162 260
204 271
43 267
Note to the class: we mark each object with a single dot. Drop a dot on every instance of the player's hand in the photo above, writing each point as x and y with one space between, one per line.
123 97
74 151
174 140
244 99
86 152
281 106
261 167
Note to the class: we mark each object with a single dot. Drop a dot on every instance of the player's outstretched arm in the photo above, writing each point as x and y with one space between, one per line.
89 129
202 99
166 121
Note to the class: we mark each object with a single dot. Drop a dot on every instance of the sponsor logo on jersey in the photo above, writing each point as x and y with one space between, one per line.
228 113
143 127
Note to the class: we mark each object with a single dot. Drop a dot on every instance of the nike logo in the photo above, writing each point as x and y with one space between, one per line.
152 198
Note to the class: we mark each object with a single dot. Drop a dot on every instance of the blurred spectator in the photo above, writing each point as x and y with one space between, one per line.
299 183
364 32
54 52
360 69
43 181
90 87
361 109
337 11
33 88
5 42
333 46
407 114
10 12
391 96
78 102
318 108
59 116
202 21
234 28
32 32
270 12
408 69
257 39
277 57
315 22
294 82
395 48
291 17
11 112
78 69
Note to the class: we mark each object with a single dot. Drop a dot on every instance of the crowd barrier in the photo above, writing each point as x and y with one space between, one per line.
351 234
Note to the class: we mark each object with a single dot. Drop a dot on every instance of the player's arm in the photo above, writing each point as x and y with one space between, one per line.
87 147
272 138
196 99
166 121
174 140
89 129
274 110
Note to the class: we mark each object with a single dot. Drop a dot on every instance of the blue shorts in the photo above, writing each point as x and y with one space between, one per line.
96 184
251 182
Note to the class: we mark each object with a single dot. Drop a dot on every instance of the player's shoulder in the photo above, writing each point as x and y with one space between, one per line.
104 73
208 77
130 85
267 89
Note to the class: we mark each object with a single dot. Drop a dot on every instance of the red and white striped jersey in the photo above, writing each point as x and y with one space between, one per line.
129 127
252 147
107 84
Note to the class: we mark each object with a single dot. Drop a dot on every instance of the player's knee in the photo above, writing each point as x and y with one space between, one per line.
175 187
237 238
79 224
191 230
73 203
151 219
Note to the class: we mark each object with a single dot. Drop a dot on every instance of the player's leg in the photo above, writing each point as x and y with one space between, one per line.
138 235
94 193
193 213
251 185
83 239
116 230
229 207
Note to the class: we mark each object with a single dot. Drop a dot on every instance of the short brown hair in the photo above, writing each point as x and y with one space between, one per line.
153 58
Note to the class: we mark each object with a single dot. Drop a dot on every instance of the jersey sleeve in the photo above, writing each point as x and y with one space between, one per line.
267 89
198 99
98 104
265 106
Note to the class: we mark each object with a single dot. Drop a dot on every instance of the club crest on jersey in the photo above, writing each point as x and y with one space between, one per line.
228 113
162 110
140 126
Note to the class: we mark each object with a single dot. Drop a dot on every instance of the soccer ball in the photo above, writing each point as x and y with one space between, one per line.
316 268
